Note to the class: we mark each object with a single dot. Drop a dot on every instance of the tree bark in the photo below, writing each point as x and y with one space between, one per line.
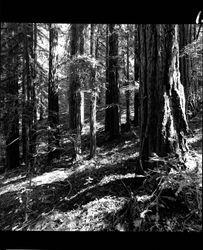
93 100
184 60
78 144
28 120
163 119
112 112
33 52
24 120
77 47
136 75
12 116
92 43
107 121
127 93
53 106
93 106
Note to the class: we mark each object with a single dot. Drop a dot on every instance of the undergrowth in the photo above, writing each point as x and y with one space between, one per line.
167 201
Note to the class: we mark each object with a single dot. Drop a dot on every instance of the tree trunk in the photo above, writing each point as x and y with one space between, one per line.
12 117
112 113
93 106
127 93
82 99
97 41
92 44
184 60
24 119
77 47
53 106
93 101
28 126
163 119
33 137
76 96
136 75
107 121
78 144
41 104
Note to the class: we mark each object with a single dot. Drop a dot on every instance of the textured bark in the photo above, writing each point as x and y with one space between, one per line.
33 89
12 116
29 108
136 108
136 53
163 119
127 93
97 41
112 113
136 75
76 96
26 90
77 47
92 43
93 105
24 120
53 106
184 60
107 121
78 144
41 104
93 101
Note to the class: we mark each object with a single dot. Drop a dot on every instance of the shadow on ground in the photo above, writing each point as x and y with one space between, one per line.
77 190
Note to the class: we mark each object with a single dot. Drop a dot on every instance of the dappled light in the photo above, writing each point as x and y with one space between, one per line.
101 127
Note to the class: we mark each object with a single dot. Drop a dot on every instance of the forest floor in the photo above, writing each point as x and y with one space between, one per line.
98 194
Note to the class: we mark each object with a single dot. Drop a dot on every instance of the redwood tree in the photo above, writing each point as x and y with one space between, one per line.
12 109
77 48
53 106
112 91
184 60
127 93
93 98
136 75
163 121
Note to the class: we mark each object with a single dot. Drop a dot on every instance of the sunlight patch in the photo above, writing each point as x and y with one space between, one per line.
195 138
114 177
46 178
89 217
19 177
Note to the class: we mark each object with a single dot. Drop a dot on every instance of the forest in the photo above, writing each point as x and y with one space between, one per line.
101 127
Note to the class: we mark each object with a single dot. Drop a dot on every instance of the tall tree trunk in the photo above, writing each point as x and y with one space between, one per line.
24 118
12 118
28 43
53 106
41 104
97 37
76 96
107 121
184 60
127 93
93 100
82 99
33 53
78 144
93 105
77 47
136 75
112 113
163 119
92 43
